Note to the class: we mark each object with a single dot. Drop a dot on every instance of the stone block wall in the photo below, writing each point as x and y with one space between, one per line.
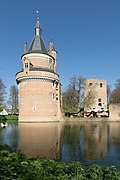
114 112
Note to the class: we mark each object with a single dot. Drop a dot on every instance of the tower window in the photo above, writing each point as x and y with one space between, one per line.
99 104
90 84
101 85
57 97
56 86
26 65
53 95
99 100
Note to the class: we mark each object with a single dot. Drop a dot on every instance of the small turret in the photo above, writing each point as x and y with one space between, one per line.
52 52
25 47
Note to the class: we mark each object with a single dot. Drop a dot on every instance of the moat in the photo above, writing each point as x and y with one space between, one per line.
86 142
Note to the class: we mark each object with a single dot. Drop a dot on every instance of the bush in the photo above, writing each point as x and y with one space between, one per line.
15 165
11 117
2 118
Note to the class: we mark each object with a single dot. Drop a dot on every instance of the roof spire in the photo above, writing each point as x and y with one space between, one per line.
37 44
37 14
38 30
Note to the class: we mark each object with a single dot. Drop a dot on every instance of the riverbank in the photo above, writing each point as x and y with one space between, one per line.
8 118
15 165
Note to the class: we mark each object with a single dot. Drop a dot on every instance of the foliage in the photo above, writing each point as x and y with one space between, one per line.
15 165
1 108
11 117
69 108
8 118
2 118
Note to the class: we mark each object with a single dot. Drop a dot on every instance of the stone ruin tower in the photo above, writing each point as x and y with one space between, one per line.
95 94
38 82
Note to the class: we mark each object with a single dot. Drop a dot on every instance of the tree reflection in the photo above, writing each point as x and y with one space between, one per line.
84 141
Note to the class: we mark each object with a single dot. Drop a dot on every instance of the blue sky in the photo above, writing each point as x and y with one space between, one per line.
86 34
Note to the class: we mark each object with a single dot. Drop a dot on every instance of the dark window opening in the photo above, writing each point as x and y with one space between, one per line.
90 84
99 104
100 84
26 65
56 96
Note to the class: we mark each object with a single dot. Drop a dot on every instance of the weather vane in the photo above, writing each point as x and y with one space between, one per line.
37 15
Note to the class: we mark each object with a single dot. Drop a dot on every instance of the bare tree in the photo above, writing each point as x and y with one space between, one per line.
73 96
117 84
77 83
108 94
13 99
70 99
2 93
80 85
115 94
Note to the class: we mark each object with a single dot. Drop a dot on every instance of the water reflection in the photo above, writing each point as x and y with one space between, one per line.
40 139
10 135
95 141
87 142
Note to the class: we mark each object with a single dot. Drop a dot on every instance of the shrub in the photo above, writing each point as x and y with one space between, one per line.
15 165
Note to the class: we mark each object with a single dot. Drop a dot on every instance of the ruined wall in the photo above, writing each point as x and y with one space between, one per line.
114 112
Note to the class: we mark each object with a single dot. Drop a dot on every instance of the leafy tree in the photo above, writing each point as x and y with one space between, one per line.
2 93
13 98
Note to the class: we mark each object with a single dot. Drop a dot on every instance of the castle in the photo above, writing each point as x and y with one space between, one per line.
95 94
39 87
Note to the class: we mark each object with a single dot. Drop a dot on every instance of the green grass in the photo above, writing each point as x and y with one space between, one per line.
11 117
8 118
15 165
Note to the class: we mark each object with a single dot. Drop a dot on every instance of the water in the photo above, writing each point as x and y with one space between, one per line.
86 142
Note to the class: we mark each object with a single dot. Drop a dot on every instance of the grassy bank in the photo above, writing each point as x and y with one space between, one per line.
8 118
15 165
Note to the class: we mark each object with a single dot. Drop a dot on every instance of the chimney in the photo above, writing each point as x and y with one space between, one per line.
25 47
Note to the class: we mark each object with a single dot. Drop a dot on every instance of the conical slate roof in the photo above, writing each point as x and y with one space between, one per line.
37 45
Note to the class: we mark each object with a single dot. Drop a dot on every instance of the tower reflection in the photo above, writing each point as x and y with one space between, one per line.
41 139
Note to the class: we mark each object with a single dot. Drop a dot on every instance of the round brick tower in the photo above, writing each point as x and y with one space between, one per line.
38 83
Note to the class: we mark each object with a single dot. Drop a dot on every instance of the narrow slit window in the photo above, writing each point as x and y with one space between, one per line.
101 85
26 65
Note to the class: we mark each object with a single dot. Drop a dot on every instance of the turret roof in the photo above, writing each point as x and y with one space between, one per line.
37 45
